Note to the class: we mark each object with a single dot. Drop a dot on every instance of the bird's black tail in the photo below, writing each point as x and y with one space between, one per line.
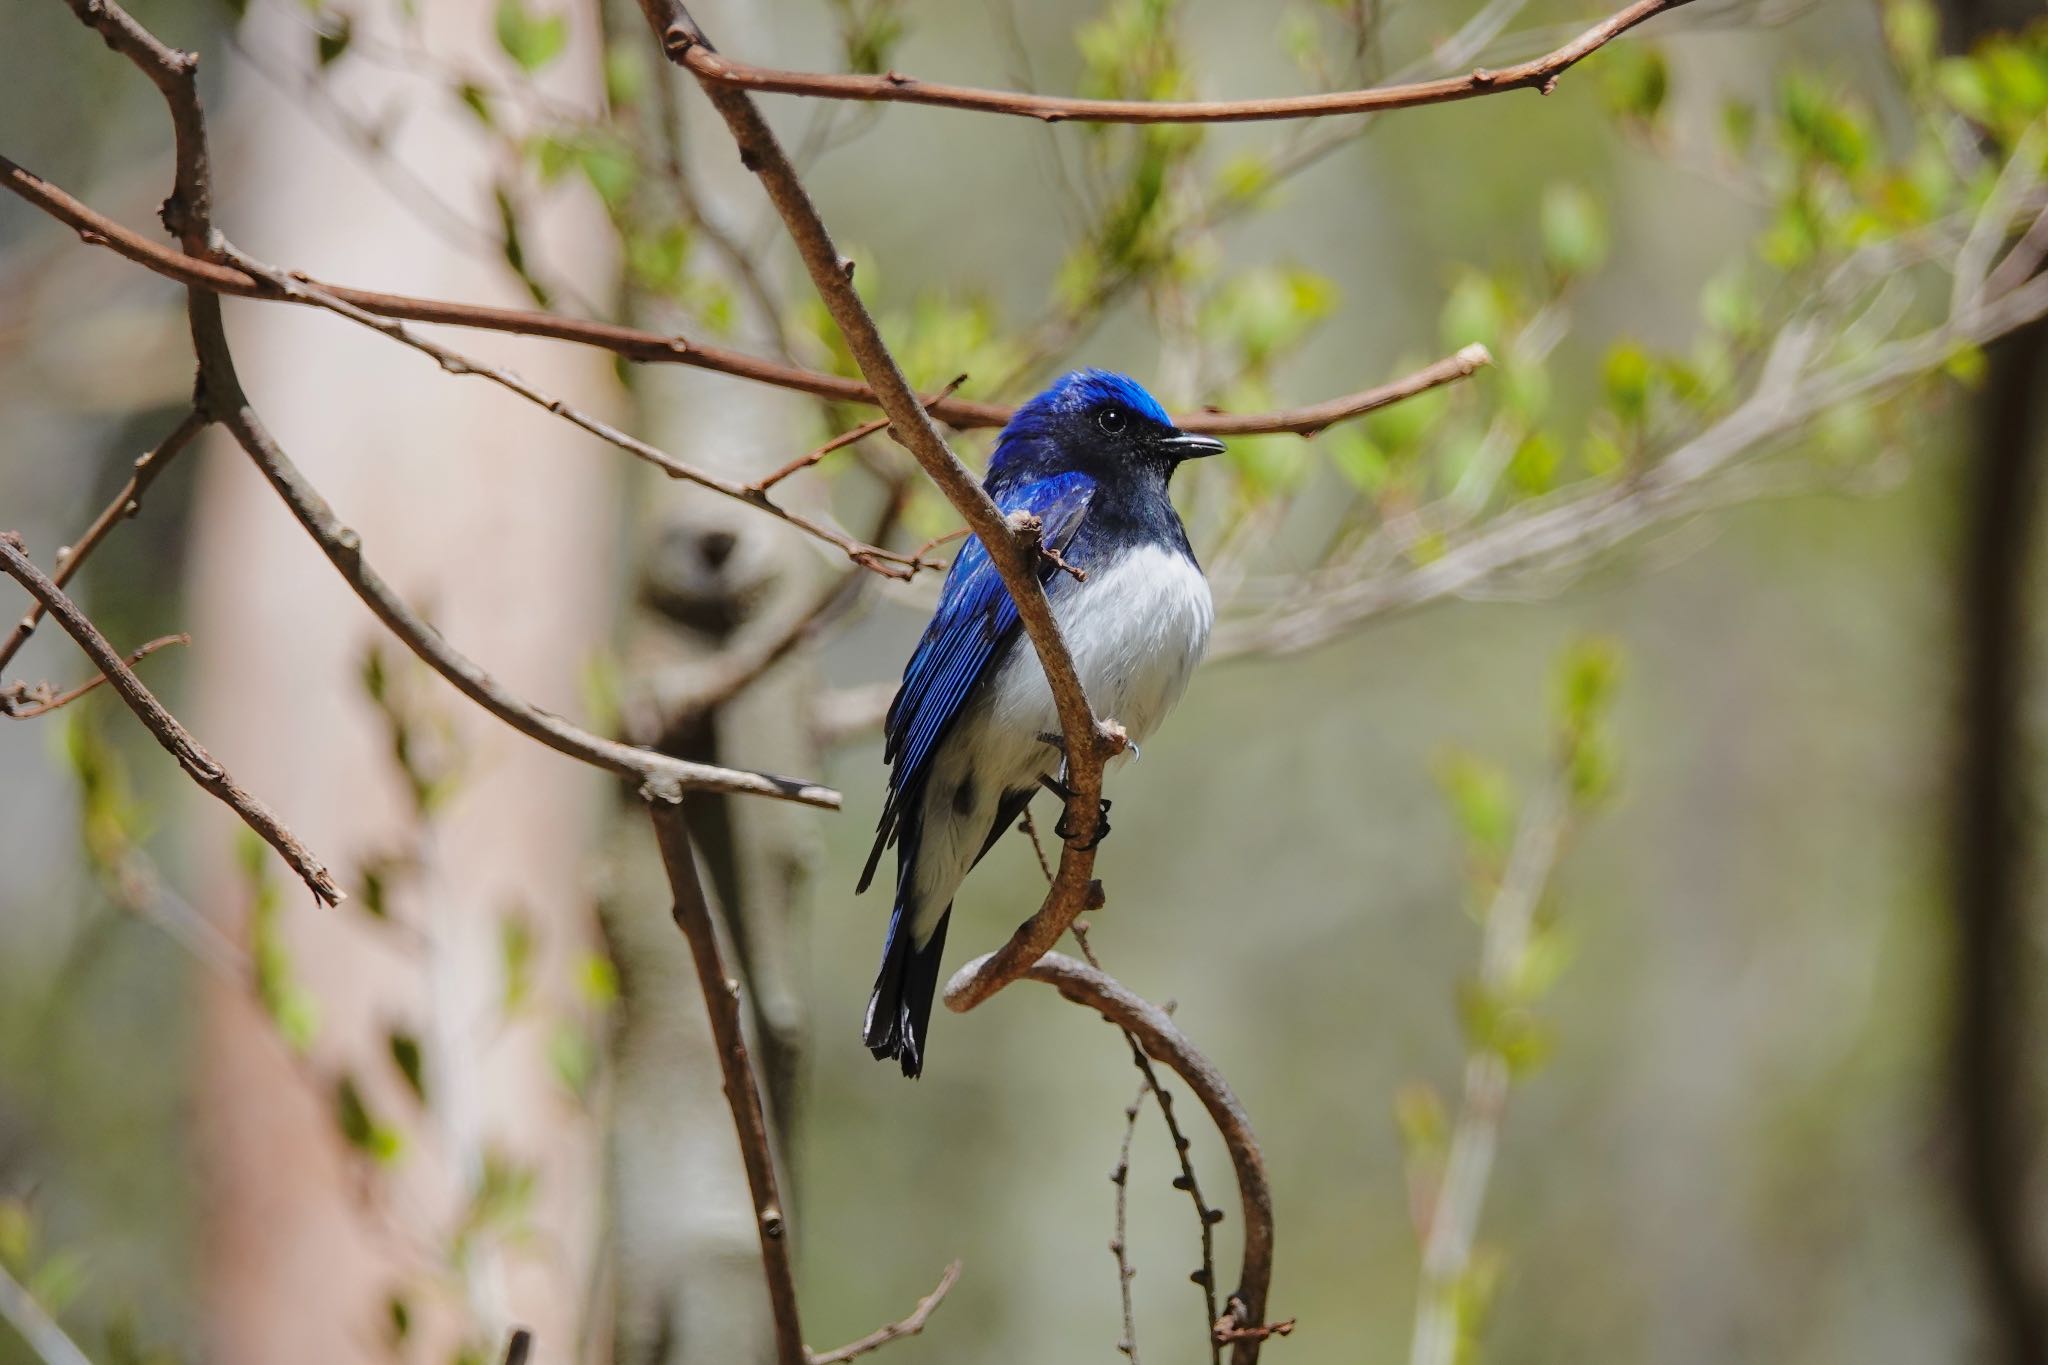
900 1010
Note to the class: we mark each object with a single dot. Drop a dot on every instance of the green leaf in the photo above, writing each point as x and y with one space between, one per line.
625 73
1482 799
532 40
330 42
360 1128
1421 1119
17 1235
1574 231
597 980
574 1059
517 945
611 171
1635 80
478 101
406 1056
1533 469
1475 310
1358 459
1626 374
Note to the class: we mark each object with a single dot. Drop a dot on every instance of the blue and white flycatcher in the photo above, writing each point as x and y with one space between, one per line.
973 731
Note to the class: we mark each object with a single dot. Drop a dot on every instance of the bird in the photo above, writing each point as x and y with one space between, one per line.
972 733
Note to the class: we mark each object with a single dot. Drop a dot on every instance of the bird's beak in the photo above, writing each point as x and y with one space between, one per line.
1186 445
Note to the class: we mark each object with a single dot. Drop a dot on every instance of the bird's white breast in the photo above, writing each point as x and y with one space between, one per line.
1136 627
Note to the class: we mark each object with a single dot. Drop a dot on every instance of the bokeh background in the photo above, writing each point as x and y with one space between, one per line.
1737 1146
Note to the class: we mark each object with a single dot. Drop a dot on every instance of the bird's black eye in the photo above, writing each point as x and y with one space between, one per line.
1111 420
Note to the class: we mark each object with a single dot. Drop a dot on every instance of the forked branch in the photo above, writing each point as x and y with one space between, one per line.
1243 1323
199 765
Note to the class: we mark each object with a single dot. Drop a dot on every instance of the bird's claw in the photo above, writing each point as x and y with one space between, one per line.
1066 832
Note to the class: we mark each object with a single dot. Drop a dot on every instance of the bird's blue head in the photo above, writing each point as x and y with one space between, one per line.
1095 422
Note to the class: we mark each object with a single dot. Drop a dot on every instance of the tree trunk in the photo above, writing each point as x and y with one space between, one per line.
498 521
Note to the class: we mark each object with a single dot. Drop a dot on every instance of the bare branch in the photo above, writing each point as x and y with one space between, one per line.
1163 1041
18 1308
630 342
907 1327
895 88
847 438
693 916
296 287
188 213
1206 1218
1119 1240
22 701
197 763
1088 743
126 503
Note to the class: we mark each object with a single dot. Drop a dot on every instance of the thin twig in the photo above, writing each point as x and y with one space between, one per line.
299 289
519 1347
1206 1218
895 88
1119 1244
126 503
37 1328
175 738
633 343
908 1326
1163 1041
847 438
21 701
693 915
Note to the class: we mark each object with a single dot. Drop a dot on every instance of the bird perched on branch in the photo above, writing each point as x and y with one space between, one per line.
973 733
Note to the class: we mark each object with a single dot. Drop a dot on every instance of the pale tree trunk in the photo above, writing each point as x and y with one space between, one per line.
498 521
714 577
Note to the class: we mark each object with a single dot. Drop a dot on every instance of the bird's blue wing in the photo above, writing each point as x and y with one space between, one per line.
975 618
974 622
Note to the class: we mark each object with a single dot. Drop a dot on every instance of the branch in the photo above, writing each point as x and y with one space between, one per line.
37 1328
20 701
196 762
1581 522
722 1002
1088 743
188 213
298 289
907 1327
1244 1322
126 503
660 775
1206 1218
1119 1244
895 88
847 438
633 343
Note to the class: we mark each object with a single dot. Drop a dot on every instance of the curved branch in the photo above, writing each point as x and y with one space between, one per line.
895 88
1164 1042
201 766
962 414
1088 742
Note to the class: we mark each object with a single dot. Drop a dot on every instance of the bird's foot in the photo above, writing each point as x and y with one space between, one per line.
1063 829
